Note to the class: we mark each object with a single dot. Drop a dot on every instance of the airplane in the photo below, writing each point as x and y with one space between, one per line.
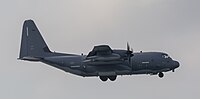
102 61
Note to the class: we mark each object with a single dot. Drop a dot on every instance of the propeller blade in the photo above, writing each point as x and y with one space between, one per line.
128 47
129 52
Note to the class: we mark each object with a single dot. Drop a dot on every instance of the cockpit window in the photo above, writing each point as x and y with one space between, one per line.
165 56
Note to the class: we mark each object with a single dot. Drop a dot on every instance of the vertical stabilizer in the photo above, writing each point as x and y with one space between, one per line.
33 45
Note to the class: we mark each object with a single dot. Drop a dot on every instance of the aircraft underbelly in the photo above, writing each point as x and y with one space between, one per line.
150 71
108 70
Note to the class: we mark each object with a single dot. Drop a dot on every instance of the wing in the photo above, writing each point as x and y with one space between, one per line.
102 55
101 50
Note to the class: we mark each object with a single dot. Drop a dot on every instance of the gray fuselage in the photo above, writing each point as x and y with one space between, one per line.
141 63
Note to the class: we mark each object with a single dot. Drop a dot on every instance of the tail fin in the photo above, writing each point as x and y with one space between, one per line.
33 46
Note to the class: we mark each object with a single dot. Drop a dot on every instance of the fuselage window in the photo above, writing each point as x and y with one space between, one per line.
165 56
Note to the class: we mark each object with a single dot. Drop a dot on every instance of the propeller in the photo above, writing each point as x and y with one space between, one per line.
129 49
129 52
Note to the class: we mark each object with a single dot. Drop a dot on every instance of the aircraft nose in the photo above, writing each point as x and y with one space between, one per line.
176 64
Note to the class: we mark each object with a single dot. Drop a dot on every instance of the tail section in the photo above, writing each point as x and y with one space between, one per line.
33 46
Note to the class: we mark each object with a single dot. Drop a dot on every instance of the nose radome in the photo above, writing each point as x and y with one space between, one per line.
176 64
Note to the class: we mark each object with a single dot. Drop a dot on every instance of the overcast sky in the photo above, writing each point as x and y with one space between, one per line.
75 26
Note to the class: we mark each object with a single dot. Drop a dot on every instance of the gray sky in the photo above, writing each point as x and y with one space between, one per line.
75 26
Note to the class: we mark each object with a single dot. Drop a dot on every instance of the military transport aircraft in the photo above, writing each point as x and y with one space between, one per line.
102 61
